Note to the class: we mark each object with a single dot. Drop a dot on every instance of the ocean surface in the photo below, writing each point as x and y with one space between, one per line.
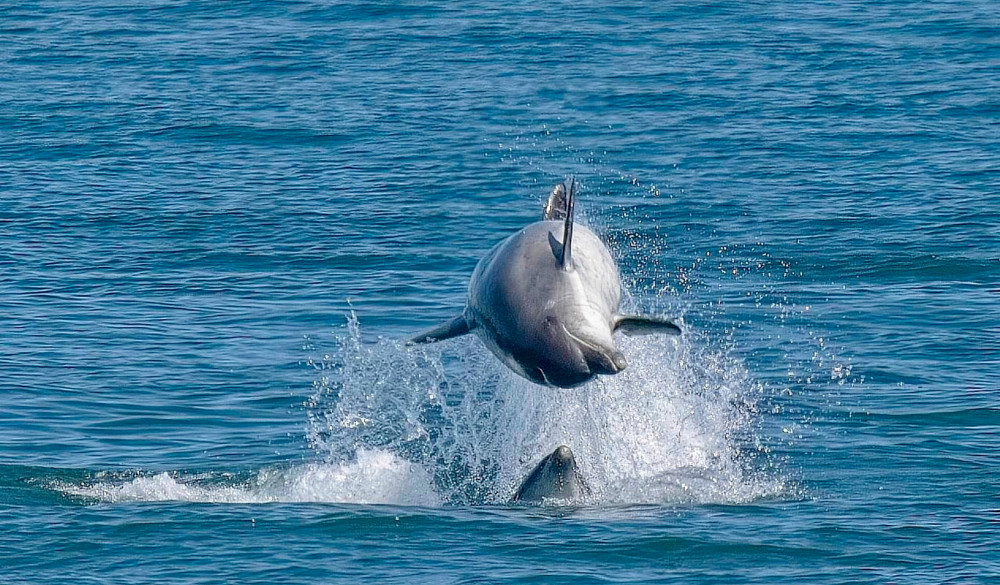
218 220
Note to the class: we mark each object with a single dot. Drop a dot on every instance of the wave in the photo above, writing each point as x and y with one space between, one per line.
374 477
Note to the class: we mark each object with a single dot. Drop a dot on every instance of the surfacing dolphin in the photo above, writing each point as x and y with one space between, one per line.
555 477
546 300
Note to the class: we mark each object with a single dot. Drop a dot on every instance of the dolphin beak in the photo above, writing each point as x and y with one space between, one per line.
619 361
608 363
562 454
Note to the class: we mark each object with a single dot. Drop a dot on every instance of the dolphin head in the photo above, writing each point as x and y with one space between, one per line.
556 476
571 358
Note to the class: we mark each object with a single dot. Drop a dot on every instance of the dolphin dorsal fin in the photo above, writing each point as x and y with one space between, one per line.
560 207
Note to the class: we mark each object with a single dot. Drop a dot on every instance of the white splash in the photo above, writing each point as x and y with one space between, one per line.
447 424
375 477
675 426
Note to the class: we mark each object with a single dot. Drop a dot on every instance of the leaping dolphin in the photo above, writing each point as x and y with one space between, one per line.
546 300
555 477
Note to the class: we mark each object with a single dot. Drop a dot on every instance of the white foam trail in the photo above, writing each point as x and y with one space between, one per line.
375 477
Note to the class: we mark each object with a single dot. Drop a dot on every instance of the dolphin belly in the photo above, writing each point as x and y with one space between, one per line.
556 477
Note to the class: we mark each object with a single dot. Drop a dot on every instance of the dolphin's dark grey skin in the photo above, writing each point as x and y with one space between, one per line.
555 477
546 300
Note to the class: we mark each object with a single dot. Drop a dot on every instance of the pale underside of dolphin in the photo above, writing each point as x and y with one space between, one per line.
546 301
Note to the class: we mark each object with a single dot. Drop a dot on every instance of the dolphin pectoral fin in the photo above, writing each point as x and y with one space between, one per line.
453 327
635 325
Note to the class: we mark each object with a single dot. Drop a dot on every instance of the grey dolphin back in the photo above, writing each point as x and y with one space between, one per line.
457 325
638 325
560 207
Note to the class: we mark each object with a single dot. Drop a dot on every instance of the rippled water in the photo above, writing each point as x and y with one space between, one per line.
217 220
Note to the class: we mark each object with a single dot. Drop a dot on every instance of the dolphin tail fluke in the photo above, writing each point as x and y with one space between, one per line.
555 207
566 261
560 207
453 327
635 325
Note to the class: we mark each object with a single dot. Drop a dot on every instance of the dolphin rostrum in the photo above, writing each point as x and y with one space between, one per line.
546 300
555 477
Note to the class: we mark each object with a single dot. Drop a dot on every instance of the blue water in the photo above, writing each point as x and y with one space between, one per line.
218 219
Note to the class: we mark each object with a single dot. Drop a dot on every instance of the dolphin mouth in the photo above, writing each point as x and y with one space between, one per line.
600 360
